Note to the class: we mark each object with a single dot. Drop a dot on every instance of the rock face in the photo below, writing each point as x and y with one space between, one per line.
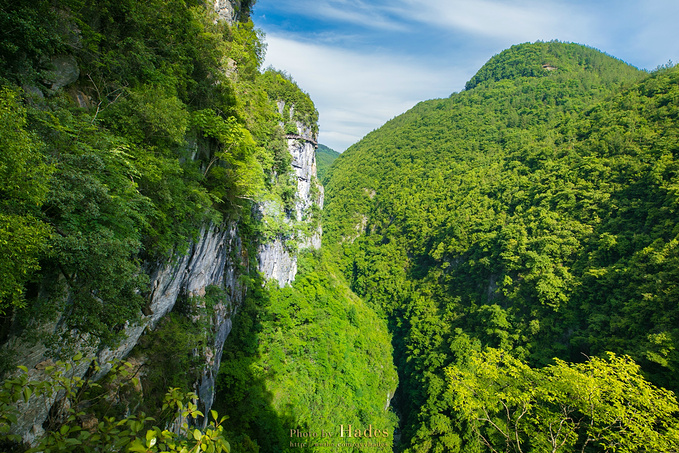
65 72
217 258
276 260
228 10
214 259
210 261
309 190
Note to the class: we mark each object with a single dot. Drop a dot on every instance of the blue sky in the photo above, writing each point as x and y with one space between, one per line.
365 61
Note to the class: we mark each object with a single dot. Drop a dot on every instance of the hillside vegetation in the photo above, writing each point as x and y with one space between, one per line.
310 357
499 271
528 222
165 125
128 128
324 158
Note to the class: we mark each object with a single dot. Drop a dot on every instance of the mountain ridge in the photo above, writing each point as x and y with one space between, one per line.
546 59
513 215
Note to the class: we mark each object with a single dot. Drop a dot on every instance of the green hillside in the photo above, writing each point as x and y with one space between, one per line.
312 356
324 159
499 269
535 214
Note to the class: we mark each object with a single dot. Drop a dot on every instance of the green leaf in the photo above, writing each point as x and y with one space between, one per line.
137 446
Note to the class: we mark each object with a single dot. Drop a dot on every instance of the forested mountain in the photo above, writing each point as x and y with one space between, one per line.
138 137
515 235
498 272
324 158
149 188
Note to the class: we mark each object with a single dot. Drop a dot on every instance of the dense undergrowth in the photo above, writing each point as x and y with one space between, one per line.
311 358
169 126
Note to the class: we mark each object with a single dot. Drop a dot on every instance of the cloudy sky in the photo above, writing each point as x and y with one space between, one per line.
365 61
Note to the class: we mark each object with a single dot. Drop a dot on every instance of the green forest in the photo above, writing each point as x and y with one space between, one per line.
520 237
324 158
499 268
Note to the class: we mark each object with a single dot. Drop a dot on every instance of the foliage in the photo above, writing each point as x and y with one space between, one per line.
31 29
168 128
232 172
23 171
173 353
310 357
297 105
532 212
547 59
170 353
132 433
98 215
324 159
602 404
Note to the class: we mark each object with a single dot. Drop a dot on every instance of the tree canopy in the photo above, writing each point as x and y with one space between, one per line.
533 213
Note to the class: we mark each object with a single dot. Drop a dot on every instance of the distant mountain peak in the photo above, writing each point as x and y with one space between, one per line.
544 59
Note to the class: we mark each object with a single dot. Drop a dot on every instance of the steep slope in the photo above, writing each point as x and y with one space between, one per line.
534 213
156 184
150 175
306 360
325 157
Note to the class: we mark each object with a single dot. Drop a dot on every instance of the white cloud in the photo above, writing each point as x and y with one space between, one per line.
513 21
516 21
645 33
357 12
358 89
356 93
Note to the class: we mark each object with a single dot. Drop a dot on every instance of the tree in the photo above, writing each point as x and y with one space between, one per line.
603 404
24 176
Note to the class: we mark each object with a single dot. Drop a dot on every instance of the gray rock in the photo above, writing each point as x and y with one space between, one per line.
65 72
33 92
227 10
277 262
304 163
208 262
84 101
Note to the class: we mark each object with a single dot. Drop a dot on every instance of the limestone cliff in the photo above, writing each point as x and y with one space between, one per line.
219 256
278 261
216 258
231 10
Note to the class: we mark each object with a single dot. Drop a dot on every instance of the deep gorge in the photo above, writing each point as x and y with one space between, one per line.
475 273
